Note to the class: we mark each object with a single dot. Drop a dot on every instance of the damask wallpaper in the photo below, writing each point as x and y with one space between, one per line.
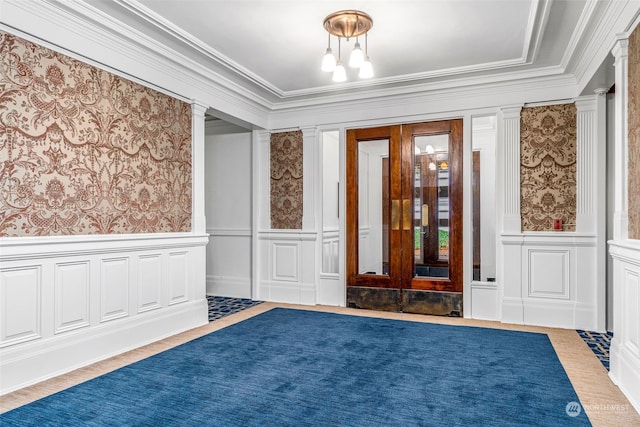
634 135
548 167
286 180
83 151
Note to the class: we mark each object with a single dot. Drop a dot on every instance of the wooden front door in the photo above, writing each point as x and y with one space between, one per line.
404 218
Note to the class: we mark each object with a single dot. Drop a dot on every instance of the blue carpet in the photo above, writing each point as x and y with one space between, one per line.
305 368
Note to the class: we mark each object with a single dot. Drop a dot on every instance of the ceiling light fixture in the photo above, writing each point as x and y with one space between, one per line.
348 24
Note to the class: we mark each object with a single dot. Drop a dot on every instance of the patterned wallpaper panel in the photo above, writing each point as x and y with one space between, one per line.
286 180
83 151
634 135
548 167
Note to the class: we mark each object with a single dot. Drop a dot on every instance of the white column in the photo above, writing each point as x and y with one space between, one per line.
261 206
620 216
590 209
262 180
509 259
588 173
310 179
509 146
199 222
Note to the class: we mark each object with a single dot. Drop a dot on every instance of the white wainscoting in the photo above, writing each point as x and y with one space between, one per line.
550 280
229 262
287 266
484 301
67 302
330 289
625 346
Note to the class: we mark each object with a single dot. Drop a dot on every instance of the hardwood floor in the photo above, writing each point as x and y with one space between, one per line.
602 400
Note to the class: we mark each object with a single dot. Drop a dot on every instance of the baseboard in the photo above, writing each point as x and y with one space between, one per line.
626 373
228 286
512 311
288 292
26 364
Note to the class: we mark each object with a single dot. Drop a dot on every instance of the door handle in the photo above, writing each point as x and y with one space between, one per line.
407 218
395 215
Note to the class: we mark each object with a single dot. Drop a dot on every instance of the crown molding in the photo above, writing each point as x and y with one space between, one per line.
594 45
421 104
196 44
76 28
85 33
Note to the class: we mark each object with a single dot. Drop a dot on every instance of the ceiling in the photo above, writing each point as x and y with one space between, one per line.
274 48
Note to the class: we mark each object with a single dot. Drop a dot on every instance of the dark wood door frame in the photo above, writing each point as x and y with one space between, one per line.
443 295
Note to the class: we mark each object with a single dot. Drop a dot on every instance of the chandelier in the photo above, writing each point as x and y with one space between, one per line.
348 24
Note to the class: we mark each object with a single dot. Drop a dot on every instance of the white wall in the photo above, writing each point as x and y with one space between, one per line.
625 345
484 294
330 290
228 178
70 301
555 278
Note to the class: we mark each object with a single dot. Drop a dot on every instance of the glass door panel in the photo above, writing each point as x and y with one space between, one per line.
431 205
373 207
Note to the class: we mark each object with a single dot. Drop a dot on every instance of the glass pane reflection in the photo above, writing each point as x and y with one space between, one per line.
431 206
373 207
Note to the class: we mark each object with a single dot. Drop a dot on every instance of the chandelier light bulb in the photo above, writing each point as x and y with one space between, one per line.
339 74
357 57
347 24
366 69
329 61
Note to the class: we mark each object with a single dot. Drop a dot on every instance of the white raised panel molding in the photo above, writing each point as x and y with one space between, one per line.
625 345
484 301
114 288
178 277
548 273
330 251
66 302
551 280
287 266
511 303
72 295
20 293
286 261
149 282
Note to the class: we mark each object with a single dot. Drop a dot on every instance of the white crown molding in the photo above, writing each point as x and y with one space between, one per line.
594 45
535 26
493 84
421 104
535 30
93 35
83 32
198 45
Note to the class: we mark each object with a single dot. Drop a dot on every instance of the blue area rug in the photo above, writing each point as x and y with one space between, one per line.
305 368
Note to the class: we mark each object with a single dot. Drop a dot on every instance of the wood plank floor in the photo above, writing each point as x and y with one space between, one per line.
604 403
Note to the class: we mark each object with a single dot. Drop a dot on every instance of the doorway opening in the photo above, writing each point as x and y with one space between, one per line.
404 218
